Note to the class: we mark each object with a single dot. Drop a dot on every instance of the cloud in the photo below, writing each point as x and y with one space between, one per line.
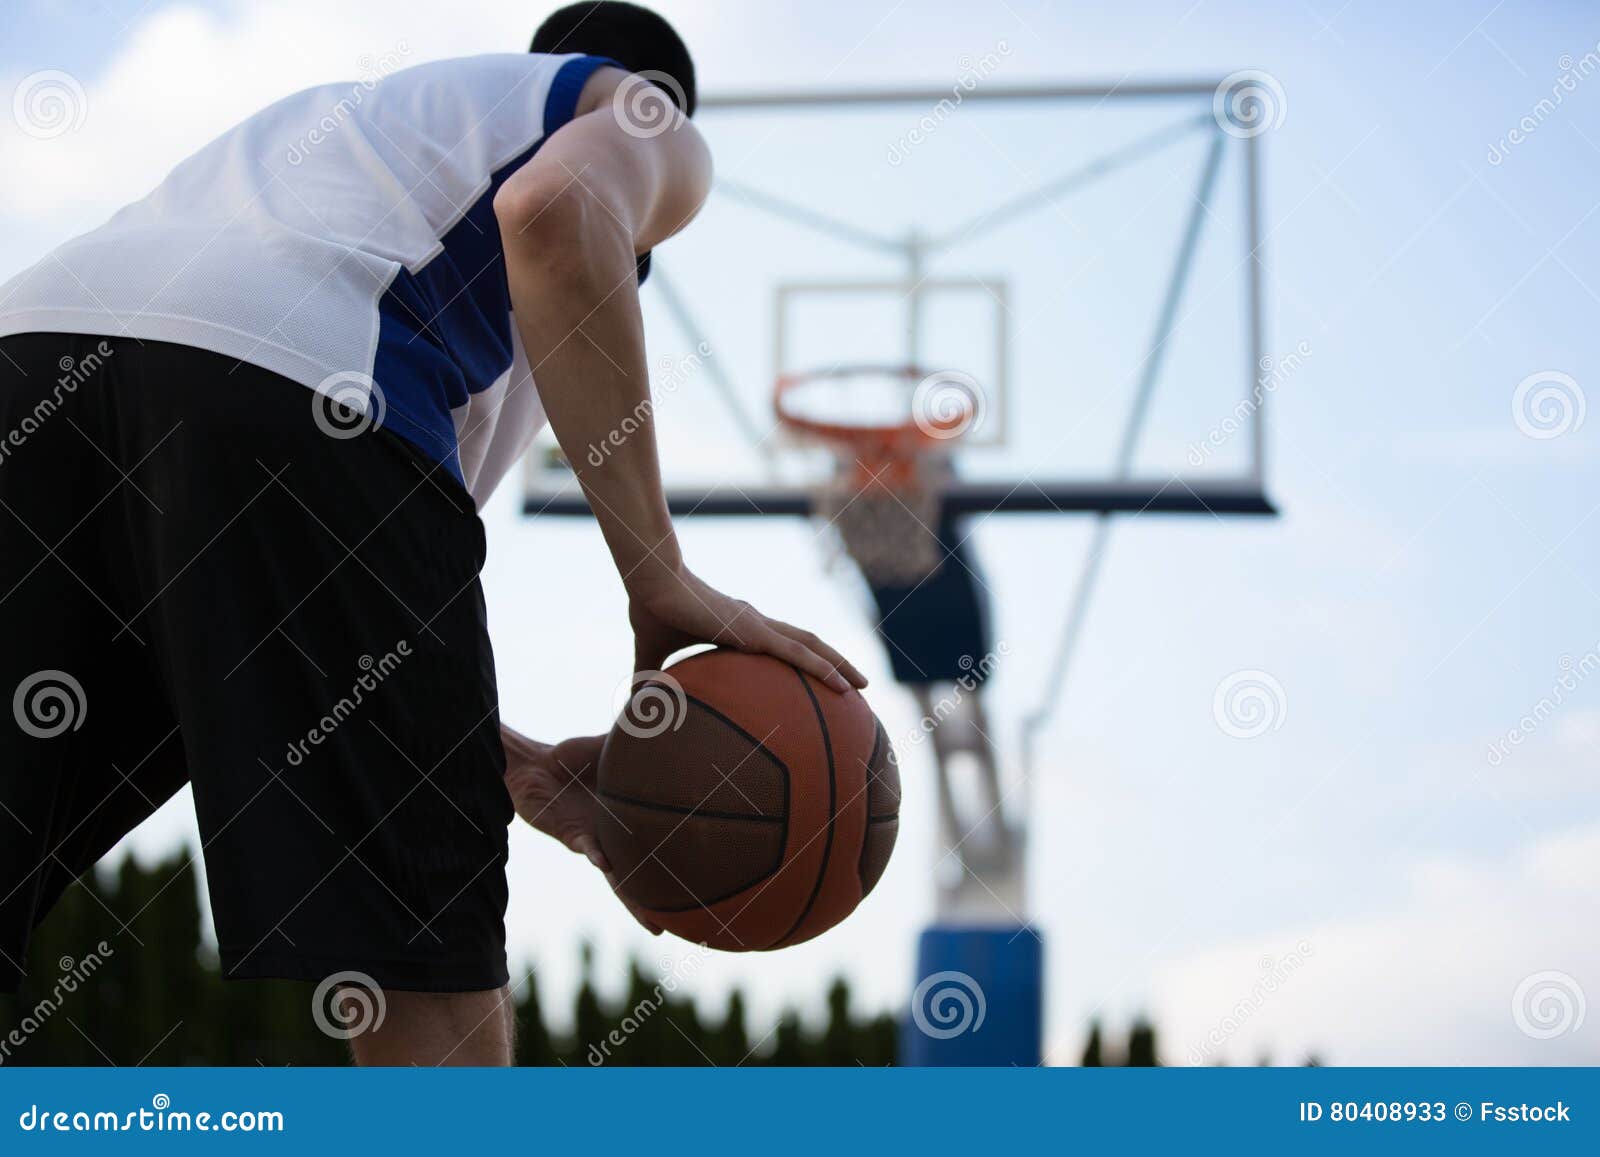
1468 957
185 74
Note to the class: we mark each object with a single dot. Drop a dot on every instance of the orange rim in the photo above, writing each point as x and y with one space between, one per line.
885 442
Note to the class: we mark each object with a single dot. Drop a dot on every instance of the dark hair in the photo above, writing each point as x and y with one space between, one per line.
634 37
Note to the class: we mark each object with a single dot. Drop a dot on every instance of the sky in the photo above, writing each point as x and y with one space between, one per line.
1370 879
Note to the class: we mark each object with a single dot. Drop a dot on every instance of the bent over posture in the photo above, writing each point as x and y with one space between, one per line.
249 422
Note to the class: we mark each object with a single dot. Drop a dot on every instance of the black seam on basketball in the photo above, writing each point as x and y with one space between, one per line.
788 793
697 812
783 768
888 764
883 819
697 905
878 739
833 806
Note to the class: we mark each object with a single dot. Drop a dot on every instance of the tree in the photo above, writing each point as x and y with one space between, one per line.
534 1044
838 1045
1092 1058
789 1043
121 974
1142 1045
729 1043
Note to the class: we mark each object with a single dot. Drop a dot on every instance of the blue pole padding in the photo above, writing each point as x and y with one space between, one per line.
978 998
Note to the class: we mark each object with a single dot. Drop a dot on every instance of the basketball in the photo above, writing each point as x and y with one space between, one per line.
745 805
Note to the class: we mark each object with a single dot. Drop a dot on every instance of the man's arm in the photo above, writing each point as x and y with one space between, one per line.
572 221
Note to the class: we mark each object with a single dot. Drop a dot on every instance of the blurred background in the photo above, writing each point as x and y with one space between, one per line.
1403 867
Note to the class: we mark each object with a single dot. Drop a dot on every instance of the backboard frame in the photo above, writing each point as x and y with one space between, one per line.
551 493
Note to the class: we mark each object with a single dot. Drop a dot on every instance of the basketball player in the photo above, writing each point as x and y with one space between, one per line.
245 429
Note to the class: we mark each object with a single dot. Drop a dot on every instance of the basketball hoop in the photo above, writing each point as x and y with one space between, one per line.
892 447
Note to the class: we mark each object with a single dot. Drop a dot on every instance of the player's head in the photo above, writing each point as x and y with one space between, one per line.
634 37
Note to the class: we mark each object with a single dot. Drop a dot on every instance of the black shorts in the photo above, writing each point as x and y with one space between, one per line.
199 584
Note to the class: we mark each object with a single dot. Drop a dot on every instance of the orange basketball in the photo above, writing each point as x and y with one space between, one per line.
746 805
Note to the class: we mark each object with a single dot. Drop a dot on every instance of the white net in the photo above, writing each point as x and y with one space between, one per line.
889 530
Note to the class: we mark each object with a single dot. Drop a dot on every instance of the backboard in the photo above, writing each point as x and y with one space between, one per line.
1087 257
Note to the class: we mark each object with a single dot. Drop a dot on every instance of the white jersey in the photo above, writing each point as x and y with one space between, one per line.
344 238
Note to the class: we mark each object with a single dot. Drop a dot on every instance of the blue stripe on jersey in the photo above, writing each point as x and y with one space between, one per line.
444 331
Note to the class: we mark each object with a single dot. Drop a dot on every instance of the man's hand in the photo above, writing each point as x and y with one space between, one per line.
672 610
553 789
